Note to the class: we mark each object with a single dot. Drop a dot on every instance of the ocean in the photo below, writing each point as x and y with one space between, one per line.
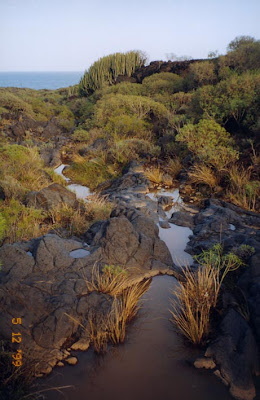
39 80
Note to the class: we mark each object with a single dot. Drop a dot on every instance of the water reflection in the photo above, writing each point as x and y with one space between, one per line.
150 365
82 192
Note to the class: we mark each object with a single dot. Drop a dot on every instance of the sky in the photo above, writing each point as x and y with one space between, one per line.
69 35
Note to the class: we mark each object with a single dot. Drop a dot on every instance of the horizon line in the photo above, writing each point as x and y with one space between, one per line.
40 71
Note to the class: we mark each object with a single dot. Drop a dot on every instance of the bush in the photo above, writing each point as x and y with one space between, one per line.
21 223
13 103
202 73
125 151
80 135
209 142
89 172
125 88
164 82
128 126
234 98
2 226
22 171
138 112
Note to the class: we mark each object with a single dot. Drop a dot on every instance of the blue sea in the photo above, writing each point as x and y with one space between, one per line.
39 80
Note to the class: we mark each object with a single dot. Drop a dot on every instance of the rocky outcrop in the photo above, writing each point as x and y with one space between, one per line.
235 352
51 197
44 285
176 67
182 218
235 349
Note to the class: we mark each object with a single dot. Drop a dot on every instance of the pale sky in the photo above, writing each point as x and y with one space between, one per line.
69 35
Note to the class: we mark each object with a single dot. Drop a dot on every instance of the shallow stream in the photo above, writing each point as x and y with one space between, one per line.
151 364
81 191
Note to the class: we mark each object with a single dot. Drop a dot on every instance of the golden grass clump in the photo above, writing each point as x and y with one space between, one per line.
201 173
197 295
243 191
98 207
112 327
75 221
154 174
112 279
194 299
174 166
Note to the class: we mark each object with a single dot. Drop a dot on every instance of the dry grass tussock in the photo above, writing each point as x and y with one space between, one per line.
98 207
154 174
193 301
111 327
75 221
201 173
174 167
197 295
112 279
243 191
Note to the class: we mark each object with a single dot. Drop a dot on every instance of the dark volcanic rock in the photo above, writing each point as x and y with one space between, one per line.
2 193
51 197
236 353
235 350
165 201
129 238
182 219
176 67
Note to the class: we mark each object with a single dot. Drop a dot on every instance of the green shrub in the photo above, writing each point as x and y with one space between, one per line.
65 118
125 88
164 82
201 73
128 126
90 173
13 103
112 107
21 223
125 151
80 135
2 226
236 97
209 142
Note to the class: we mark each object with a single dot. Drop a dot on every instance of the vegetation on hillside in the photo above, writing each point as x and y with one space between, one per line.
204 122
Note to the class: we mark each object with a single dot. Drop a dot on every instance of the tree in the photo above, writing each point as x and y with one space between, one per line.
202 72
243 54
239 42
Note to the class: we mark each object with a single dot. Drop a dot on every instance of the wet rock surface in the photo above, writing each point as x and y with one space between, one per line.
45 286
236 347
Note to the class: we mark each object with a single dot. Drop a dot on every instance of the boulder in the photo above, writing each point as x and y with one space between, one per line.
165 201
182 219
51 197
235 352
